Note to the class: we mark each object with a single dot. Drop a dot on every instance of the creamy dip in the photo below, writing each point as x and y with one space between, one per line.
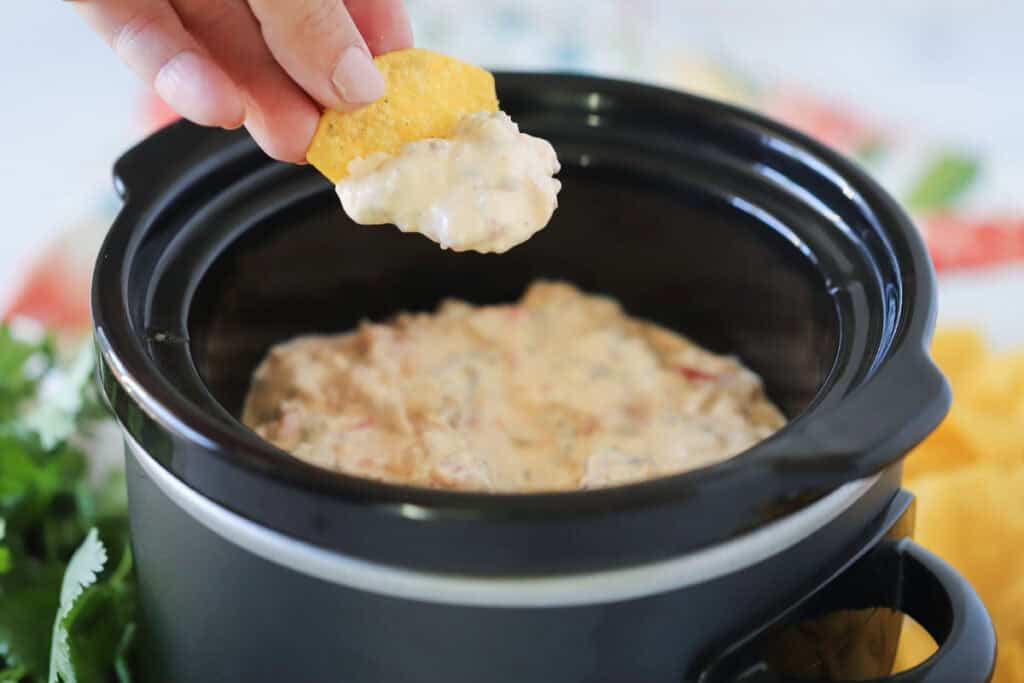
487 188
559 391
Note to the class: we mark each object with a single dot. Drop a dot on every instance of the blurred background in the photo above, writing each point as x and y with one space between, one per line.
908 85
926 94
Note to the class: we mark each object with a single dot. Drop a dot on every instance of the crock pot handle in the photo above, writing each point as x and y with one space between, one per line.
939 599
946 605
927 588
902 404
178 155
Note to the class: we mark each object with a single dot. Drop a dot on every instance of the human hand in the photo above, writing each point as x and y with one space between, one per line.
267 64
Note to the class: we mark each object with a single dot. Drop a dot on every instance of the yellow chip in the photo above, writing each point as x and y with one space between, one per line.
974 519
968 477
957 350
425 95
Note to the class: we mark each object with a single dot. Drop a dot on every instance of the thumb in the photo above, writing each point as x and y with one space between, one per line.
318 44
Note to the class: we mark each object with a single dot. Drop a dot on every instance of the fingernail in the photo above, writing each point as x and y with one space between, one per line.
356 77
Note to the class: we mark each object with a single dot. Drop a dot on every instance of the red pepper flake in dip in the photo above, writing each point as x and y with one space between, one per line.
695 374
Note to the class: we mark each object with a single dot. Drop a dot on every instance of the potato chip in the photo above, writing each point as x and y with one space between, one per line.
426 94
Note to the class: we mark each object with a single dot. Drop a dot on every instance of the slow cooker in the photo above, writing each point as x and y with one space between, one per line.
791 561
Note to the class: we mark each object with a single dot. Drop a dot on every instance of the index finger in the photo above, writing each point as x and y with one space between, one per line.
319 45
150 38
384 24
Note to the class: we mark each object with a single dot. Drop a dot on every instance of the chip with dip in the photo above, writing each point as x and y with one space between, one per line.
435 156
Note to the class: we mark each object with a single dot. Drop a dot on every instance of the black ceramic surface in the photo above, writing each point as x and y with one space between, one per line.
712 221
824 609
213 611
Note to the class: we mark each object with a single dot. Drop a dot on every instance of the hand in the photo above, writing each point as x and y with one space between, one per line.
267 64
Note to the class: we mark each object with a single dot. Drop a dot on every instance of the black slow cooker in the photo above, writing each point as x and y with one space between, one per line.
791 561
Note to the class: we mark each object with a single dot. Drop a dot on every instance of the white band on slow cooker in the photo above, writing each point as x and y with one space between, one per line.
562 590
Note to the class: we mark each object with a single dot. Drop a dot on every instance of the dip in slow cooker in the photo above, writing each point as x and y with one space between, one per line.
488 188
559 391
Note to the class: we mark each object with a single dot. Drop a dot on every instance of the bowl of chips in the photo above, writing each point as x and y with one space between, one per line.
793 557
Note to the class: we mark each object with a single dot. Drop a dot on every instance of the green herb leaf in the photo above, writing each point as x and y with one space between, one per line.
17 376
95 626
5 552
49 503
945 179
29 597
83 569
123 654
28 482
54 411
43 497
15 675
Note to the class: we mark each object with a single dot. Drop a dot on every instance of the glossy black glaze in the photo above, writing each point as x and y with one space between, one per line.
717 222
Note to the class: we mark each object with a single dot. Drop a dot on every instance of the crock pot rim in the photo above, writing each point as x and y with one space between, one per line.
123 356
555 590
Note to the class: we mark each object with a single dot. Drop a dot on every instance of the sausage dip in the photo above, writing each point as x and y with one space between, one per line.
559 391
487 188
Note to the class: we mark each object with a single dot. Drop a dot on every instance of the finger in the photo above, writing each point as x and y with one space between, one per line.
150 38
318 44
279 115
384 24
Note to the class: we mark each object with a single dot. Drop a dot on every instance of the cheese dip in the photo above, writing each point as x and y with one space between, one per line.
487 188
560 391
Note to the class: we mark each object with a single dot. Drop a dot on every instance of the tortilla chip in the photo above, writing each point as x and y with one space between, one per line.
944 450
426 94
973 518
968 477
986 421
957 350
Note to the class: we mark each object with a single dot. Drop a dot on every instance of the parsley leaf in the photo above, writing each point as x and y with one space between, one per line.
61 522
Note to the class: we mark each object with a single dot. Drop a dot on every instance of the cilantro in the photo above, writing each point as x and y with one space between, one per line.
5 552
99 623
29 596
17 379
82 572
59 399
67 592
